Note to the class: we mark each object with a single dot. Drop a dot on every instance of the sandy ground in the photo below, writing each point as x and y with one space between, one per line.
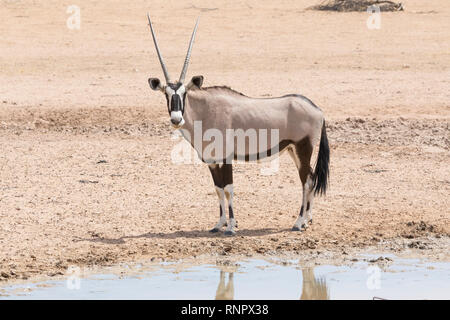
86 176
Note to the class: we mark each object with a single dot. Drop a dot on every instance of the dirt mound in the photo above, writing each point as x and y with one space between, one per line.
141 121
124 120
392 132
356 5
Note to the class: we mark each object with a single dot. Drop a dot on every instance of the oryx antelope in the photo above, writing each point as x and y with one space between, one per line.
299 123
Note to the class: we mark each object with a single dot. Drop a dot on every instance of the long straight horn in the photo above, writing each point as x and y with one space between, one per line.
163 66
188 54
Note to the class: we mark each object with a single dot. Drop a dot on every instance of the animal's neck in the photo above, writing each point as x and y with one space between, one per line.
195 110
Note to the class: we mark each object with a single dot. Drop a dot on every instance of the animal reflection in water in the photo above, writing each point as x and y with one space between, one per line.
225 292
312 289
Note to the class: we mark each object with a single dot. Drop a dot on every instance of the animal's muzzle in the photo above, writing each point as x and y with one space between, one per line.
175 121
176 114
176 118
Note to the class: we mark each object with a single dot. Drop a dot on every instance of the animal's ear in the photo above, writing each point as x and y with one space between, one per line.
155 84
196 81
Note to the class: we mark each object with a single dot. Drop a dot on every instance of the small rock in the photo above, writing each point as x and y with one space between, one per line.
88 181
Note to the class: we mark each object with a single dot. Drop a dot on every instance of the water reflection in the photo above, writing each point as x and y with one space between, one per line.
312 288
225 292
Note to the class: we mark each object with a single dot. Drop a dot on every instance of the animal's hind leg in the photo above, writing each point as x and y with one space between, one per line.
302 221
303 152
293 153
309 200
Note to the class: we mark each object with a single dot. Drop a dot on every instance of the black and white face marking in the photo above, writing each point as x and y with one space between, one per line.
176 96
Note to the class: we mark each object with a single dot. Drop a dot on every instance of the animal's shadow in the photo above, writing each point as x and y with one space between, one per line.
184 234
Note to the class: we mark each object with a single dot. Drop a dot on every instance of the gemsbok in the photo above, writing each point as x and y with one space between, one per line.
291 122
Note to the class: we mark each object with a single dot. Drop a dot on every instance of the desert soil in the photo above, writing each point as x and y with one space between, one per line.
86 173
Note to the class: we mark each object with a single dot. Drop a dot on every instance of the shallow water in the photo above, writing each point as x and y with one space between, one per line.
253 279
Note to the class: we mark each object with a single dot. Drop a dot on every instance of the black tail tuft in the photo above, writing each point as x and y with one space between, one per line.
322 170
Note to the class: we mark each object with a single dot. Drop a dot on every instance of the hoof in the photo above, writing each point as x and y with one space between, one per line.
214 230
303 227
310 221
230 233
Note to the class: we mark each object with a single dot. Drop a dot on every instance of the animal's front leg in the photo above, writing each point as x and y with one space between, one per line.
223 180
232 222
223 217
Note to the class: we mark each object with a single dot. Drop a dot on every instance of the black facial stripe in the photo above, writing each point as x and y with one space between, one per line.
175 103
167 99
184 100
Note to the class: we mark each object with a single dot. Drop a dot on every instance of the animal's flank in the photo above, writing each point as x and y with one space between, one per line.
321 172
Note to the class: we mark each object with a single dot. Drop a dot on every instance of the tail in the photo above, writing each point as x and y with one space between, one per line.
322 170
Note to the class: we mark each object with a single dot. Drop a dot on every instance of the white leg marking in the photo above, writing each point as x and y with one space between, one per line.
310 199
231 226
223 217
229 195
302 221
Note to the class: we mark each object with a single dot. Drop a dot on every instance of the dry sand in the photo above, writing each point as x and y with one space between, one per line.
86 176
